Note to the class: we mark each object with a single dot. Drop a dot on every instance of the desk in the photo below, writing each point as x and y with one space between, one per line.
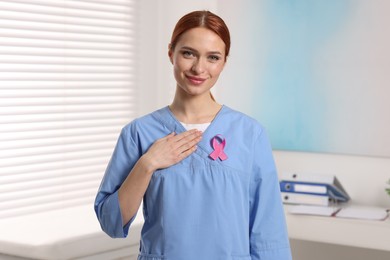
348 232
69 233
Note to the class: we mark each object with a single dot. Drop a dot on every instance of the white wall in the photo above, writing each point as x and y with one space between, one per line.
364 177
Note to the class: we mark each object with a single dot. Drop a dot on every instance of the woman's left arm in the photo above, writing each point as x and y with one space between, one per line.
268 230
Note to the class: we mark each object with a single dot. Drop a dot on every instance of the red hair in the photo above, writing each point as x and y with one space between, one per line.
205 19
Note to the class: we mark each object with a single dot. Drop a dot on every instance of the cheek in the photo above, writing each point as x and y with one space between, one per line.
217 69
181 64
179 67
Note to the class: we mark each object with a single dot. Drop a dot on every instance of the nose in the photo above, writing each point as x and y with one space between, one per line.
198 66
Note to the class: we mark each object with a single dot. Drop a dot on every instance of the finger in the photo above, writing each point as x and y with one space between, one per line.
186 134
167 137
187 138
188 152
188 144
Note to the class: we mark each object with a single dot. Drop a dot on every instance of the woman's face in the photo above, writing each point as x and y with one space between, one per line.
198 59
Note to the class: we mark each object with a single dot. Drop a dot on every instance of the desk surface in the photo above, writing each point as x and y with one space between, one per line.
341 231
61 234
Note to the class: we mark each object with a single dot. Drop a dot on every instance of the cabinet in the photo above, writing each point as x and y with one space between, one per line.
341 231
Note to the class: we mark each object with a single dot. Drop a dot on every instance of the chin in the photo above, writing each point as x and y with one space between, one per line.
194 92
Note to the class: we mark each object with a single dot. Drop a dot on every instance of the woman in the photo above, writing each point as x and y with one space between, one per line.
205 172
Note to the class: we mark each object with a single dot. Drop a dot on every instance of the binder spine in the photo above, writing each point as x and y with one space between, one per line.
311 184
300 187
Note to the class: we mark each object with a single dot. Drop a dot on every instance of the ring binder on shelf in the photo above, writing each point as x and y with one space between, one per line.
299 188
305 199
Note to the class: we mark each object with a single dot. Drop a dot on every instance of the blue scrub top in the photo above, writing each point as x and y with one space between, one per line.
200 208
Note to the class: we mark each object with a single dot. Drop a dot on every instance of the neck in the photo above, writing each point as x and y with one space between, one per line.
194 110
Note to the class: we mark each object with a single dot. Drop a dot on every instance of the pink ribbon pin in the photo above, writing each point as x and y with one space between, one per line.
218 143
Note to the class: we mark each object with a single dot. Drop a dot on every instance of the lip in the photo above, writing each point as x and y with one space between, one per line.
195 80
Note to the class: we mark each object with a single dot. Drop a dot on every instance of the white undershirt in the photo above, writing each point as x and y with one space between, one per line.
201 127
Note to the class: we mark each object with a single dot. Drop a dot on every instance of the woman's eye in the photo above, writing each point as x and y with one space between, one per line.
214 58
187 54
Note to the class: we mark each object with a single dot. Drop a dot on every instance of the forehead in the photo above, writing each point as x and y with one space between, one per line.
201 39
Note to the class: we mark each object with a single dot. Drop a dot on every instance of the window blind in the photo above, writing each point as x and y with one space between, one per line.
67 87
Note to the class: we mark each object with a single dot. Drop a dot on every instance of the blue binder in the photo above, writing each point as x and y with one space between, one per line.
303 185
314 189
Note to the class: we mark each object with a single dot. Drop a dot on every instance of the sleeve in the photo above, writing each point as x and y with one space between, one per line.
123 159
268 230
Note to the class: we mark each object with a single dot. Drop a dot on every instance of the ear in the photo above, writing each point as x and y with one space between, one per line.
170 53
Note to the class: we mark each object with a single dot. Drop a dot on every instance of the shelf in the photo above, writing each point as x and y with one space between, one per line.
340 231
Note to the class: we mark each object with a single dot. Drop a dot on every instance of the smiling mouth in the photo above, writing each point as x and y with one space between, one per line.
195 80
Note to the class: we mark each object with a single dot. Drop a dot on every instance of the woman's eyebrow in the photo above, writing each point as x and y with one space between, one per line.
195 51
189 48
215 52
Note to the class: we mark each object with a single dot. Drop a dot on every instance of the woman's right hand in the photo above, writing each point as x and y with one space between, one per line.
172 148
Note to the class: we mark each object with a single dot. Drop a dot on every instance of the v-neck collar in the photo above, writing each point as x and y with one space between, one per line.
177 123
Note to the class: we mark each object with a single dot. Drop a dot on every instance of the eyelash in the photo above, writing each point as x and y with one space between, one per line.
189 54
214 58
